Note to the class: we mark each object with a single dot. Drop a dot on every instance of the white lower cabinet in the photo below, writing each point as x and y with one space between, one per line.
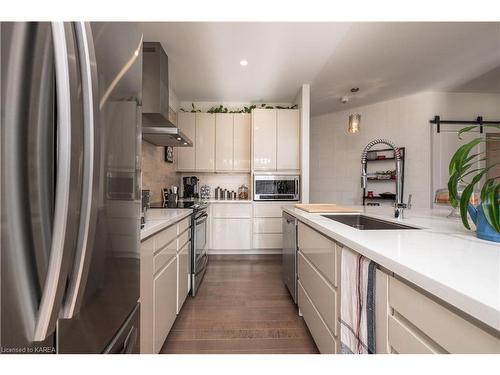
410 321
267 226
164 303
321 251
322 294
268 241
164 282
325 341
183 274
230 234
267 209
231 226
318 296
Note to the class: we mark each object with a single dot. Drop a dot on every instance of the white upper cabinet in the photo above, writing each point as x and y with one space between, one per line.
224 142
276 139
288 146
241 152
186 155
205 142
264 139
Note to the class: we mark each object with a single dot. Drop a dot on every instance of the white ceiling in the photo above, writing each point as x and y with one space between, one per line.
384 60
204 58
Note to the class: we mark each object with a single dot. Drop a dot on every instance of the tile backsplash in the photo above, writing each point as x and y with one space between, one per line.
230 181
156 172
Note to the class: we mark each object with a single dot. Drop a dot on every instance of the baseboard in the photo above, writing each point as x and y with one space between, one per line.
244 257
244 252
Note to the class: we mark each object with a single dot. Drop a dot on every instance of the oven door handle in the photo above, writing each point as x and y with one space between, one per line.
198 221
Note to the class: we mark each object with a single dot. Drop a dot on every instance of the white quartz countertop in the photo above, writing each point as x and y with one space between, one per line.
442 257
160 218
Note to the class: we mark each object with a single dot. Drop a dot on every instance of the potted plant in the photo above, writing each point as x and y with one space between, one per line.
464 173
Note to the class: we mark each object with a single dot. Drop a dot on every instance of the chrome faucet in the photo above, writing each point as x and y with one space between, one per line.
399 206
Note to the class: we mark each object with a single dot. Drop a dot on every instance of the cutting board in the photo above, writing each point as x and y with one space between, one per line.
324 207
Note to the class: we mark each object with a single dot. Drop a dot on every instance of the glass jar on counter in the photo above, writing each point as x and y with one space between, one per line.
243 192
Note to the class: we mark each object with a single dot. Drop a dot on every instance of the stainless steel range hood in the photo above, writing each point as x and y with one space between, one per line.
156 126
163 136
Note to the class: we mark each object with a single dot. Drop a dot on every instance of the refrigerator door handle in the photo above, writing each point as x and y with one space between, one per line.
130 342
62 246
88 213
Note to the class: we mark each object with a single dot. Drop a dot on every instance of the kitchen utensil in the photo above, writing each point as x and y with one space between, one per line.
171 200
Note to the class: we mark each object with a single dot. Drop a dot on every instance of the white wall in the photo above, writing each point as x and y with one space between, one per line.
303 103
335 154
459 106
173 101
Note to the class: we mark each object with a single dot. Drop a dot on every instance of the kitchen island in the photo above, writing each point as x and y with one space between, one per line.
440 259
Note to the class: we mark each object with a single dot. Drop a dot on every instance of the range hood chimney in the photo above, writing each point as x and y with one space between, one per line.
156 127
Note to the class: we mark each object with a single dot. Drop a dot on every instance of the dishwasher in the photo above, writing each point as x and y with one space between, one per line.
289 254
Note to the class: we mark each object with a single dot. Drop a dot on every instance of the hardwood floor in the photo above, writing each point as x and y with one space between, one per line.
242 307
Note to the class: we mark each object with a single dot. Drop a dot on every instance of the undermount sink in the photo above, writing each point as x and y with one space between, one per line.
363 222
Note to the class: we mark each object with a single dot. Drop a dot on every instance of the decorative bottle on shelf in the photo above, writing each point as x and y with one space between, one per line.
243 192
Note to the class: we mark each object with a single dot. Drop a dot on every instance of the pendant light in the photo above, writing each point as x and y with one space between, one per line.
354 122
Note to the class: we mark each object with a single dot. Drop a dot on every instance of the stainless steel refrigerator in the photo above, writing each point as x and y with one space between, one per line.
70 187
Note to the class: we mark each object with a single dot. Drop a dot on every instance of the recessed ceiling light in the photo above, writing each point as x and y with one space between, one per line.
179 138
243 62
355 89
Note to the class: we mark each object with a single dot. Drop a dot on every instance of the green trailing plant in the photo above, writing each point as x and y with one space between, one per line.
222 109
219 109
463 172
193 109
249 108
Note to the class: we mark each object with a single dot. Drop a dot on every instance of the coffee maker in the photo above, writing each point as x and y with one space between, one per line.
190 187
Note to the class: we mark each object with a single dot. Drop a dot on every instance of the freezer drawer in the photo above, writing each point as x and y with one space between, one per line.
126 340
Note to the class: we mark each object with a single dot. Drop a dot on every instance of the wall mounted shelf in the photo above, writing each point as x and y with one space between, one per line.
390 180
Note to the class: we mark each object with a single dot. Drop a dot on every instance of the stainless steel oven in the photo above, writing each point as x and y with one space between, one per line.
276 188
199 258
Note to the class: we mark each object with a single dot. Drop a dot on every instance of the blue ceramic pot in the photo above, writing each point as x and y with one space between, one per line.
484 230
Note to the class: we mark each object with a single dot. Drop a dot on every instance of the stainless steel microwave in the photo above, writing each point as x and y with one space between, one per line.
276 188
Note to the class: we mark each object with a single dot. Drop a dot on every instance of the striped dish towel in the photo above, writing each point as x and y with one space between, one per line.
357 293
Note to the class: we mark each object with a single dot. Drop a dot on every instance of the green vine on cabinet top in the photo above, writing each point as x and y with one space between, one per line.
223 109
